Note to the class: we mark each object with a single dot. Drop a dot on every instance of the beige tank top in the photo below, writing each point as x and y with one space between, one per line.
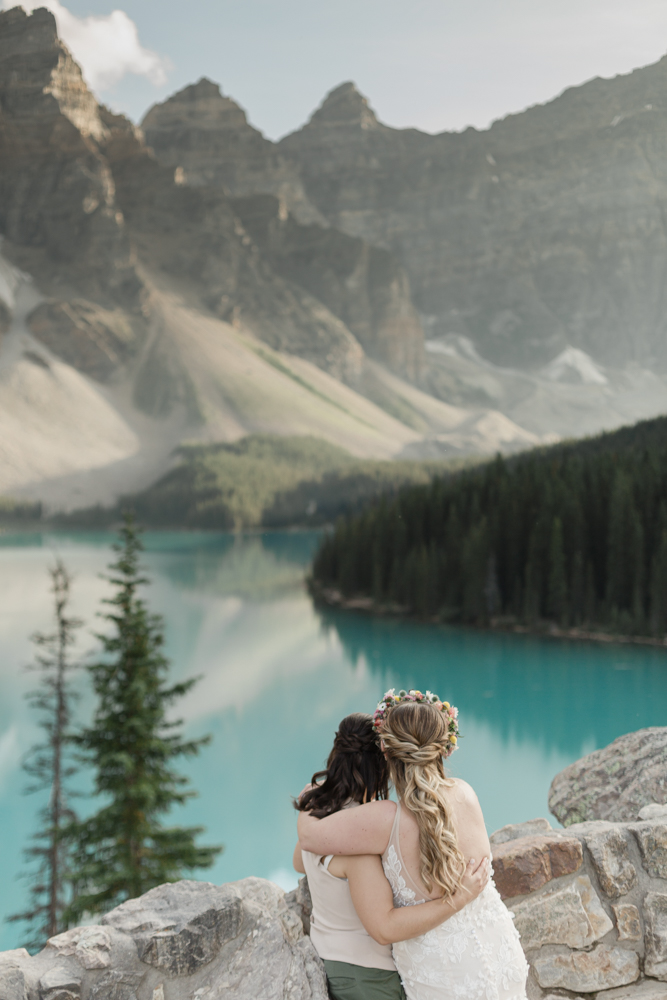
335 929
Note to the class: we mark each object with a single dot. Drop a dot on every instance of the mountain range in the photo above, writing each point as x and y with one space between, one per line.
395 293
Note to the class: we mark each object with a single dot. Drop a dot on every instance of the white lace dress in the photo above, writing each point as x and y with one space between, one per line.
475 955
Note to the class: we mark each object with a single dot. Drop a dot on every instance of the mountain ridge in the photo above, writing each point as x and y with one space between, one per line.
193 281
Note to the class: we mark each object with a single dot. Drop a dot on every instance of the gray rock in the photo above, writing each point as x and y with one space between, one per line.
655 937
588 971
14 956
572 916
515 830
116 985
275 959
599 920
652 840
12 983
613 783
648 989
60 977
60 983
300 901
627 921
611 859
652 811
179 928
90 946
185 930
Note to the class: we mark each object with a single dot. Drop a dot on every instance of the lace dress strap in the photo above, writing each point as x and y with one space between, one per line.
393 836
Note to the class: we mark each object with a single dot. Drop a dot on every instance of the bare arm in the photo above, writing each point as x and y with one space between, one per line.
297 860
373 901
363 830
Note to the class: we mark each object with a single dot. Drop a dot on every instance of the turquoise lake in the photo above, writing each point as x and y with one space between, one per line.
277 676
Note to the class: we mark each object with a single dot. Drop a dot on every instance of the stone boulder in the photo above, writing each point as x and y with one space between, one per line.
183 941
613 783
513 831
590 905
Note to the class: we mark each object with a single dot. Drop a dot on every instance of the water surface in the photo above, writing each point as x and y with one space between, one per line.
277 676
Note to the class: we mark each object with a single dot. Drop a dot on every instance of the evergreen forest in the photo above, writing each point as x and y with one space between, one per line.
573 536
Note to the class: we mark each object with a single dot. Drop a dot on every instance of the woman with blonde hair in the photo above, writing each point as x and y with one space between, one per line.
426 842
354 921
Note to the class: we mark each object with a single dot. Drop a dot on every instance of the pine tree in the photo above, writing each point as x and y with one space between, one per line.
49 766
557 599
123 849
658 584
475 569
533 583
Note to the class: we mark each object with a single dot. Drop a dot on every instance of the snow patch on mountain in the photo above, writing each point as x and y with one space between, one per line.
574 365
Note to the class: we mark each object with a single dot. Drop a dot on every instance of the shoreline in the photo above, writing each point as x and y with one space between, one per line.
366 605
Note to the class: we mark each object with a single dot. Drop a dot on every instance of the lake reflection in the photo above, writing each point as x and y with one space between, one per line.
277 676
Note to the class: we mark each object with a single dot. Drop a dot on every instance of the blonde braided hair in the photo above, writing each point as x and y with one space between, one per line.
415 738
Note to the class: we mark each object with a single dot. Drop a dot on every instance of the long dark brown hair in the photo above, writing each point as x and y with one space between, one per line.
356 770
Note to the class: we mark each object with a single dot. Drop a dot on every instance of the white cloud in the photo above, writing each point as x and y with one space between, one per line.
106 47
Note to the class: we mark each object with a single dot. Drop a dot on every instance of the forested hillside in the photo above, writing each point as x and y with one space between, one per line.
263 480
575 535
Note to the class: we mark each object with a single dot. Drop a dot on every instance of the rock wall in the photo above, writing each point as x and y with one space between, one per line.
56 189
542 231
186 941
590 904
207 139
361 284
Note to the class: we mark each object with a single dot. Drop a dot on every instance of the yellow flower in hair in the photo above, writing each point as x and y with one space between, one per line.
452 739
445 704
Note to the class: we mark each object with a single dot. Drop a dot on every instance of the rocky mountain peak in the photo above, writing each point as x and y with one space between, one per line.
35 65
208 136
345 106
200 107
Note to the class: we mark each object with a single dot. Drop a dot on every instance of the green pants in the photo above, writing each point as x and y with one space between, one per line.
355 982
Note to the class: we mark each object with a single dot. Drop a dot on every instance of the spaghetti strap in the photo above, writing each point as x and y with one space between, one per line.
393 836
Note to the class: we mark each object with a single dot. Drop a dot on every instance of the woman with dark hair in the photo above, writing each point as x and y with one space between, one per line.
425 843
352 937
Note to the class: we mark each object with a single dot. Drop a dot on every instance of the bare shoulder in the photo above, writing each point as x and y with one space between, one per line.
464 793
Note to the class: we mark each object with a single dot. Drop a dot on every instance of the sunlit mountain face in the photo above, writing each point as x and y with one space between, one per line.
394 293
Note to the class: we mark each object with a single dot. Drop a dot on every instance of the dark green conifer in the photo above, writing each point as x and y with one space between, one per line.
557 600
658 583
476 560
124 849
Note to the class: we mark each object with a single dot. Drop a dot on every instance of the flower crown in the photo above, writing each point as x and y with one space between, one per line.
390 700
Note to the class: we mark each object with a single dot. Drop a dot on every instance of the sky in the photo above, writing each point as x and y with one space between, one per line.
431 64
